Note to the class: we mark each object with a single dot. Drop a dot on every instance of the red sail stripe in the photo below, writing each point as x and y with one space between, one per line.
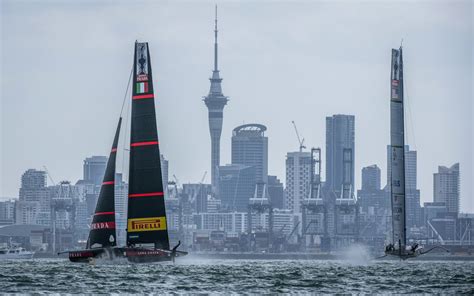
108 183
146 194
113 150
104 213
139 97
144 143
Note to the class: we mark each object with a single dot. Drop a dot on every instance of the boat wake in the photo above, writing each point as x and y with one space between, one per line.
357 255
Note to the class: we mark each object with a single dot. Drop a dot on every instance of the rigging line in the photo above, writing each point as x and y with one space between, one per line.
410 117
126 91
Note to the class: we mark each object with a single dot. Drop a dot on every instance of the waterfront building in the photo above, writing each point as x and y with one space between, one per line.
198 194
237 186
374 208
446 187
121 198
298 177
371 178
232 223
34 200
250 147
7 212
340 136
275 192
94 169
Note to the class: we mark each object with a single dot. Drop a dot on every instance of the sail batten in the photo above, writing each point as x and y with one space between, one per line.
102 232
146 223
397 151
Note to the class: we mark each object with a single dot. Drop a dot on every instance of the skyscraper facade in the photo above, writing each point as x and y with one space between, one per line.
371 178
215 102
446 187
33 185
340 136
34 201
250 147
94 169
412 194
237 186
7 212
298 177
373 206
275 192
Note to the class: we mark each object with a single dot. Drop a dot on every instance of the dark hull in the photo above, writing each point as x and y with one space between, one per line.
135 255
402 255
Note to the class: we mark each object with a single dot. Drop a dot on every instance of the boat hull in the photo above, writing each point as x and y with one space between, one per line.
135 255
25 255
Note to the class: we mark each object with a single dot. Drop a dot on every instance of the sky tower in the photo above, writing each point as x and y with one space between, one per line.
215 102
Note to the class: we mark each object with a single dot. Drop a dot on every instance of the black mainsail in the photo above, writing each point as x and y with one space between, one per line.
146 222
147 234
102 232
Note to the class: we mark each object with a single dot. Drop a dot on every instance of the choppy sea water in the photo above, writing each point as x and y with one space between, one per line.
191 275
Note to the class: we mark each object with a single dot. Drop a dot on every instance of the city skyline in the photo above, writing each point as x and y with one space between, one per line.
56 155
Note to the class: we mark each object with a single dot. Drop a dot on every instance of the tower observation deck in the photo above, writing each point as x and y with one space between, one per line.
215 102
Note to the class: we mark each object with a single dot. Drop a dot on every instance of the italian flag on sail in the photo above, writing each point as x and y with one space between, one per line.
141 87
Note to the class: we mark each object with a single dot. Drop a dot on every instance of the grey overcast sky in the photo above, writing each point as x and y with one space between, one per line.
65 67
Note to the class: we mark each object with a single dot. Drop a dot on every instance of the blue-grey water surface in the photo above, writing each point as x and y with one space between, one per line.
237 276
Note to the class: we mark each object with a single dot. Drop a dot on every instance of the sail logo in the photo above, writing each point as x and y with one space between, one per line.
103 225
142 77
146 224
395 89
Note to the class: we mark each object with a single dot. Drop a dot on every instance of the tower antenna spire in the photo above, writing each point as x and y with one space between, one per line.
215 42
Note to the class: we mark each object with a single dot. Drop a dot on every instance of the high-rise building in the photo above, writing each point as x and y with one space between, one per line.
236 186
94 169
340 136
121 197
215 102
34 198
7 212
275 192
373 205
198 194
164 171
446 187
412 194
33 185
298 177
371 178
250 147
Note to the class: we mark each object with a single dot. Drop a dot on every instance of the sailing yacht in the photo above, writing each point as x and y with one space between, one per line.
397 153
147 235
399 247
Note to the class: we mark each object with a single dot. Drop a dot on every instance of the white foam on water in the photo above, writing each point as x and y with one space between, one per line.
357 254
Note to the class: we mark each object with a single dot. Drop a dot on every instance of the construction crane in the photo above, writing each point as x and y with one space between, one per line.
49 175
203 177
300 141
